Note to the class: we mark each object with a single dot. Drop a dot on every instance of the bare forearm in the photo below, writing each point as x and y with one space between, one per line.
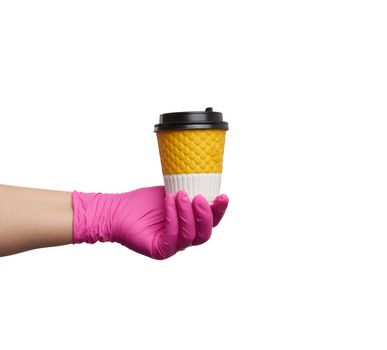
33 218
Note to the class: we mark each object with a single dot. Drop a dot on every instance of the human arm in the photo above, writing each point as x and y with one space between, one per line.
144 220
33 218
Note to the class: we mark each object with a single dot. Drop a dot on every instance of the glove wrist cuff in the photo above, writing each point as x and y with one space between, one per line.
90 220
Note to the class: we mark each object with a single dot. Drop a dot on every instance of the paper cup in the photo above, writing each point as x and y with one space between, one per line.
191 146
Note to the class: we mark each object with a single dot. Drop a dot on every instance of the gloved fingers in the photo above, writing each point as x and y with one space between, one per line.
203 219
219 208
187 225
167 243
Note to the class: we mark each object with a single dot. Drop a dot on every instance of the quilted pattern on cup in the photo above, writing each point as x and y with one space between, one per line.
191 151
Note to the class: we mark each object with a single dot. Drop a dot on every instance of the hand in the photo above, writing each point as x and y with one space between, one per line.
146 220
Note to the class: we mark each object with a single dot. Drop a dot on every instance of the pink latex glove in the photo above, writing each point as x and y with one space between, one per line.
146 220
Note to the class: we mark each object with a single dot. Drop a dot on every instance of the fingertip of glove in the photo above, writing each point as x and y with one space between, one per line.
169 197
200 202
223 198
182 196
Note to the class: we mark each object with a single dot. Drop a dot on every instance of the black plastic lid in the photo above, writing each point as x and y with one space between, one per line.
191 121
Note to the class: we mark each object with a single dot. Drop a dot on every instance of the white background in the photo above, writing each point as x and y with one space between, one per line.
300 259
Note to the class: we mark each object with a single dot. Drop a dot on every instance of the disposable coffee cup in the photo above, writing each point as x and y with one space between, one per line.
191 146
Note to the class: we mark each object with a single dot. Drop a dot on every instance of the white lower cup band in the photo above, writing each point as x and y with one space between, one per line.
206 184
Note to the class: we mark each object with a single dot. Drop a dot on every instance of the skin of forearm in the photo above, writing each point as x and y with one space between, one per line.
33 218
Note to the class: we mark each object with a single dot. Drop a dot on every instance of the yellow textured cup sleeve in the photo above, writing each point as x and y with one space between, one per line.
191 151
